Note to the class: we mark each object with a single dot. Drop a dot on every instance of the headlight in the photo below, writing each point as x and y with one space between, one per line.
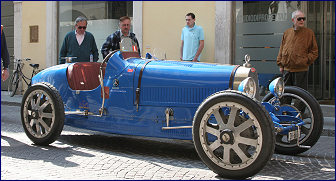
277 87
248 86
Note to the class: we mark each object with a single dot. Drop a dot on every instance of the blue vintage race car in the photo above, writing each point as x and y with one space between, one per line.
216 106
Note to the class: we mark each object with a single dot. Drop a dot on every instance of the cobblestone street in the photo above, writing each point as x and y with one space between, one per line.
81 154
168 90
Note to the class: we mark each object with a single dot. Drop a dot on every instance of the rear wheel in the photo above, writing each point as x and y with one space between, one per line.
42 113
233 135
13 83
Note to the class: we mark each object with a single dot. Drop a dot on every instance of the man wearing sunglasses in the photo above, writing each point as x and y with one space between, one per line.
79 43
298 50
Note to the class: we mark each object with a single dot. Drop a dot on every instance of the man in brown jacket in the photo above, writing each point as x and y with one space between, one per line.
298 50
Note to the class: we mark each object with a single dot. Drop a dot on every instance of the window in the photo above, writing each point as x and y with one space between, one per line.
33 31
259 29
103 18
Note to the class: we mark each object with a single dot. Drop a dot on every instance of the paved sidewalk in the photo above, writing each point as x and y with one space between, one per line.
328 112
15 100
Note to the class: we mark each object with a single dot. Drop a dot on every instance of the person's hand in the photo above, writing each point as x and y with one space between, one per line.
181 58
4 74
281 69
195 59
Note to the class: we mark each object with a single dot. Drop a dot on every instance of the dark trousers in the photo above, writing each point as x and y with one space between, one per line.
296 79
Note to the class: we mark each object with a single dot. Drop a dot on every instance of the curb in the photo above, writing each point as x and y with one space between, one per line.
10 103
328 132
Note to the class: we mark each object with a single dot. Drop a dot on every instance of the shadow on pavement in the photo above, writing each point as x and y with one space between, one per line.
157 151
52 154
297 170
134 145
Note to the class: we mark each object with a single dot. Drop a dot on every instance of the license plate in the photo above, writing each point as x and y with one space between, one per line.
292 135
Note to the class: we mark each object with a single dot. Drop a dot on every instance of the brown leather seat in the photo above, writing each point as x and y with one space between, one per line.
84 75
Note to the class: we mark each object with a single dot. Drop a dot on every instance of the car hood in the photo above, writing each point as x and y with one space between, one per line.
181 82
185 74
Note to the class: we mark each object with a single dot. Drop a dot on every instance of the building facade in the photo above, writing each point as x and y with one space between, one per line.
231 28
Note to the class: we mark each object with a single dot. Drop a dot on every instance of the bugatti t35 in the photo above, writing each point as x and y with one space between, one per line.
214 105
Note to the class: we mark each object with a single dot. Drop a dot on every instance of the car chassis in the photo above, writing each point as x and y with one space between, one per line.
213 105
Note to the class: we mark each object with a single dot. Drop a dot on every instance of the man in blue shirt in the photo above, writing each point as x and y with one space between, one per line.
192 40
79 43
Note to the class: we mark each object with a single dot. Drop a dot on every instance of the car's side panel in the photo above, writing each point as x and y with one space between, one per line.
176 83
181 86
148 121
55 75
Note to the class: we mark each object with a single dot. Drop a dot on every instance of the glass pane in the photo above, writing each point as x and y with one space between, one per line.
103 18
259 29
321 19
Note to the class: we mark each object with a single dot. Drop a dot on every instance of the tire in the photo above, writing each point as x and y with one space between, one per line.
233 148
311 113
13 84
42 113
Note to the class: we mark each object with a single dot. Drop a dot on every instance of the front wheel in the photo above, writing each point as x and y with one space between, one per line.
42 113
13 83
310 113
233 135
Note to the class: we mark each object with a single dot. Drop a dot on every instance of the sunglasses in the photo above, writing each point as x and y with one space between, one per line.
82 27
301 18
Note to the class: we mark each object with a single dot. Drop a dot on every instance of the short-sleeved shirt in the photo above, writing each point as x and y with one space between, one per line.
191 40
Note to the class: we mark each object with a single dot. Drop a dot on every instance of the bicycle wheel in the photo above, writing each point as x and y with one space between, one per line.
13 84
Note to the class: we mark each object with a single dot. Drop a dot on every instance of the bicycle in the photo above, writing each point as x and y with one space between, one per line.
18 75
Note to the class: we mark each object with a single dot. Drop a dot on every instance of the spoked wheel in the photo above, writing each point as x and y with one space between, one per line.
42 113
310 112
13 84
233 135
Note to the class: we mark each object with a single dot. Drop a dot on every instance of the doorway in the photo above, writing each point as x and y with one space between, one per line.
321 77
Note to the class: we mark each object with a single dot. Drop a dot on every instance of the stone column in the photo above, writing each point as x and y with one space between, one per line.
51 33
137 21
17 28
18 35
224 32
